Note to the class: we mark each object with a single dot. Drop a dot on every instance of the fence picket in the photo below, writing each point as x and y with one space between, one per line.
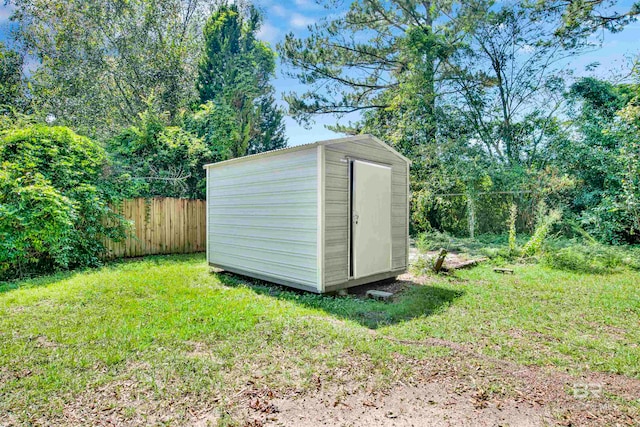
170 226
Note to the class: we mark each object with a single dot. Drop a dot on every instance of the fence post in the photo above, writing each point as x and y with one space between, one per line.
471 213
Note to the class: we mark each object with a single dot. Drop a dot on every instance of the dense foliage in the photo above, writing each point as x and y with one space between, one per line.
11 84
234 85
156 159
236 114
475 93
601 151
53 201
101 59
478 94
163 87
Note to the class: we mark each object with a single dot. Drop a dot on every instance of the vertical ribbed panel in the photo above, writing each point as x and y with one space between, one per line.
336 232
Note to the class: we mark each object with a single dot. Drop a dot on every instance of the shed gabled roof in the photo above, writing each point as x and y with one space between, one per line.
362 137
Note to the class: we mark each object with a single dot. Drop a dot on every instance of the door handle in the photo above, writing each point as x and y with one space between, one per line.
355 218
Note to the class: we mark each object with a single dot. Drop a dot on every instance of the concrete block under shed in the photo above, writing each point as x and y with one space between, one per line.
379 295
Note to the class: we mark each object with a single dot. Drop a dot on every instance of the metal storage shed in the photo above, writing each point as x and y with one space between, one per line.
319 217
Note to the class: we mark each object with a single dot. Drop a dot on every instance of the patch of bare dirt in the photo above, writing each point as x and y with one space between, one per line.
44 342
465 389
426 404
394 286
458 394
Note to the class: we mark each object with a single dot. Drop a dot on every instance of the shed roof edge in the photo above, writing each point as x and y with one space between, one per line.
306 147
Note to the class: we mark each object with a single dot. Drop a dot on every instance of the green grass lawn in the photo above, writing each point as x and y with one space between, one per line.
155 338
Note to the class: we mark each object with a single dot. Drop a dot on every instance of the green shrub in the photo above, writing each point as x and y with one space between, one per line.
543 228
53 200
513 215
423 265
430 211
486 245
596 259
160 160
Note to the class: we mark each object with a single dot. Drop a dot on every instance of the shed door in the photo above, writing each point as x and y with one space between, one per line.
371 219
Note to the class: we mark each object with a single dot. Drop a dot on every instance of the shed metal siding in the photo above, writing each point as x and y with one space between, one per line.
263 217
336 246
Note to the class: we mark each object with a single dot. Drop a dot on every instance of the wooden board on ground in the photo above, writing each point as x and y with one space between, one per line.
453 261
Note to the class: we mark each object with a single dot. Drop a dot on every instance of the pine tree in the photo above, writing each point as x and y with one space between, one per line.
235 71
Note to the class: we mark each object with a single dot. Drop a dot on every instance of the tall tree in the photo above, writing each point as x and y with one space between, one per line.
602 151
508 82
394 60
11 84
384 60
583 17
352 61
100 59
235 70
380 57
270 132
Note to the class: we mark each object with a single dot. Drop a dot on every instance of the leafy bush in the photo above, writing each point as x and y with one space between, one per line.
610 221
513 215
545 223
216 124
604 159
53 201
160 160
430 211
596 259
487 245
581 255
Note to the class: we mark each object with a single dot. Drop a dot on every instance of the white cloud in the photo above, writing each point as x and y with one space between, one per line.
31 64
527 48
307 4
268 33
278 10
5 12
300 21
336 15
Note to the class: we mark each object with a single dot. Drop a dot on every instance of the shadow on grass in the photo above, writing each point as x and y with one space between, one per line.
411 300
46 279
34 282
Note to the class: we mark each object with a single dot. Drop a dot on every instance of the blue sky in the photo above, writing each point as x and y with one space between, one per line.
284 16
281 18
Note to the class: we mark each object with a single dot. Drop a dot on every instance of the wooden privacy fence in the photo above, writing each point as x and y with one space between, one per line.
161 225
